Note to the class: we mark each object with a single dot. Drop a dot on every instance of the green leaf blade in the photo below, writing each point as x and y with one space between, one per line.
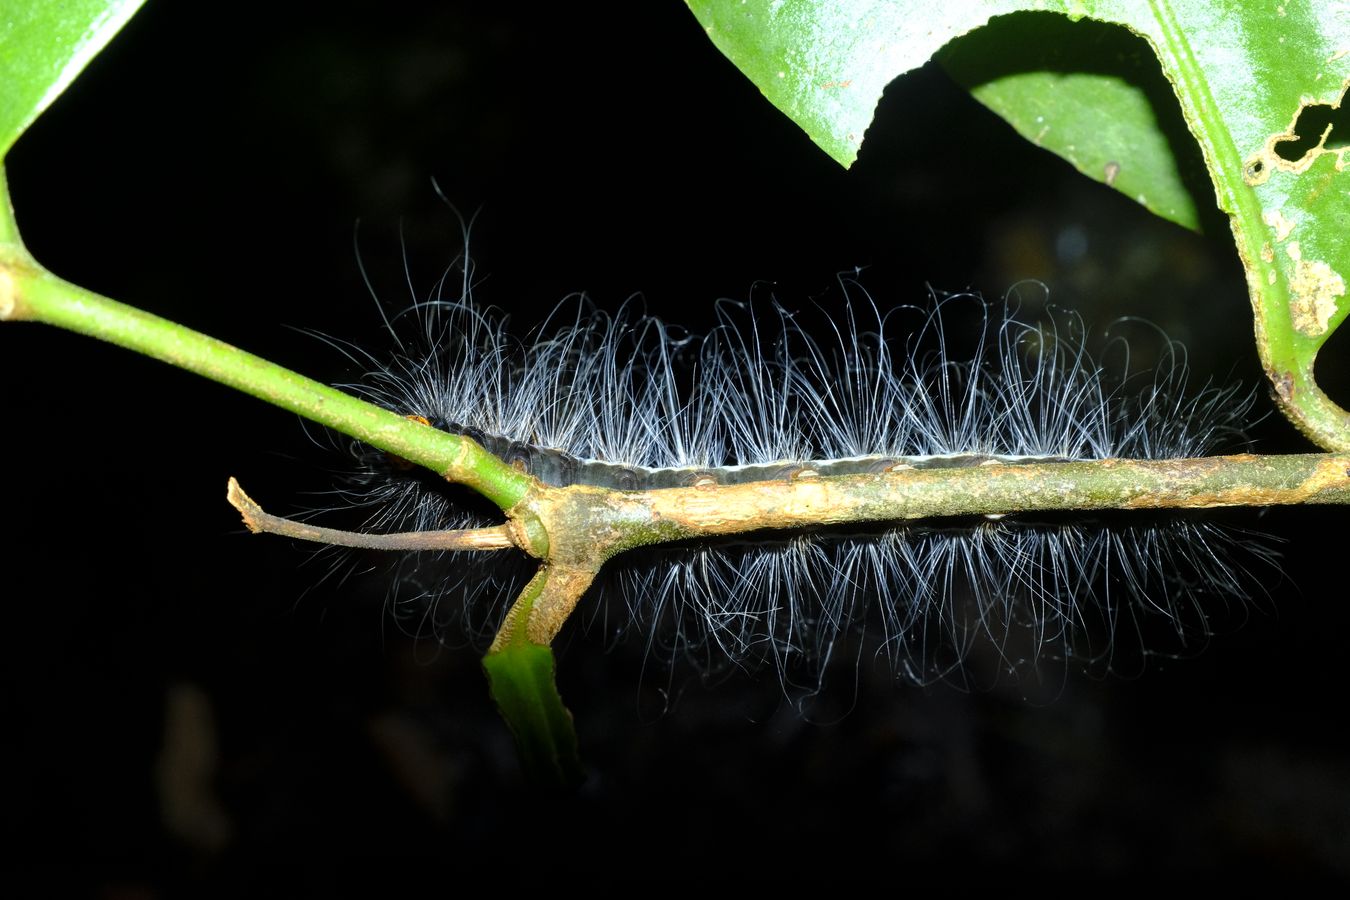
826 64
43 46
1092 93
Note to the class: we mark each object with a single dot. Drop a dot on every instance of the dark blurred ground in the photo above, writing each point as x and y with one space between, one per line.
191 709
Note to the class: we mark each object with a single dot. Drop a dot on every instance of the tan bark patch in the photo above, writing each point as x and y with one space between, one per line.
1313 290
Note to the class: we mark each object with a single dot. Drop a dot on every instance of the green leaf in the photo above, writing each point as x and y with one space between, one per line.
826 64
43 46
1245 75
521 679
1092 93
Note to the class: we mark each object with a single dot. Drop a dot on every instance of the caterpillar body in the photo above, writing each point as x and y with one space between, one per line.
624 400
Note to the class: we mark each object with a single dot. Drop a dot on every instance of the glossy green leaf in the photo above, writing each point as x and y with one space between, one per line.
1244 74
1093 93
826 64
43 46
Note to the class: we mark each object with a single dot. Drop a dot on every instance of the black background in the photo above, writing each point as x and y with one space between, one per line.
212 170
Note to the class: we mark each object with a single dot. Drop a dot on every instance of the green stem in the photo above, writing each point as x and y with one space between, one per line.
39 296
45 298
521 679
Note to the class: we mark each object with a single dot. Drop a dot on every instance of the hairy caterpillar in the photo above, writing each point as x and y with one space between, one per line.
626 401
